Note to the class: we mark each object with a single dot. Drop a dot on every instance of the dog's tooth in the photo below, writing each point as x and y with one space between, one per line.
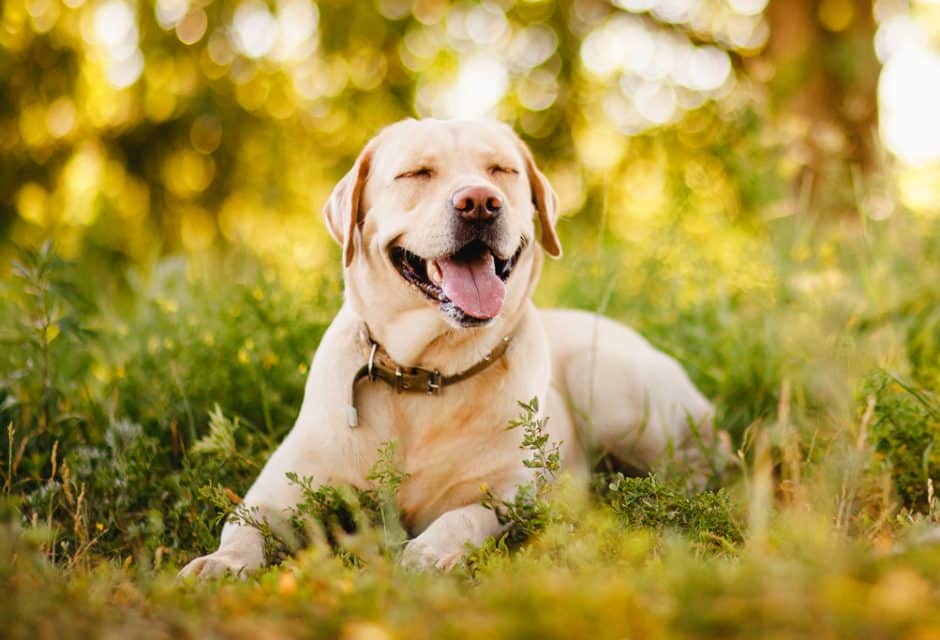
435 274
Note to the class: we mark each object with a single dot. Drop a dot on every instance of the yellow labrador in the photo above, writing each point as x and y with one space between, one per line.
440 224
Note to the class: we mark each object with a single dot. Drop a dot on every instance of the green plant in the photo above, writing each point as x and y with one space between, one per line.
43 364
710 518
530 509
906 433
333 514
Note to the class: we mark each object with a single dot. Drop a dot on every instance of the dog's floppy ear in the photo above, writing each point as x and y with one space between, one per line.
342 208
545 201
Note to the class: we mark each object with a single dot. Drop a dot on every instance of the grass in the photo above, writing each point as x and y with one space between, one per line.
137 409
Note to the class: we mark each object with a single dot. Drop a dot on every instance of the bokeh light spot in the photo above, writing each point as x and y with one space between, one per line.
31 203
206 134
170 12
255 29
836 15
909 94
61 117
481 82
192 27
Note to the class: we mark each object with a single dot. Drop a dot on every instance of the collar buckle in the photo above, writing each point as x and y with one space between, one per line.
435 382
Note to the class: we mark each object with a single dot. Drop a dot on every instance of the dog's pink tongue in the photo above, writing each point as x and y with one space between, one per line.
473 285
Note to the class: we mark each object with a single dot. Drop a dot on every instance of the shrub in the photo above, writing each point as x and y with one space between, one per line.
709 517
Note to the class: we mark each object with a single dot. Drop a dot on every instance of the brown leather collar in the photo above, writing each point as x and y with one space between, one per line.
381 366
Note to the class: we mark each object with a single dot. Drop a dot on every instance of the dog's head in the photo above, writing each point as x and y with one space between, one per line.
439 216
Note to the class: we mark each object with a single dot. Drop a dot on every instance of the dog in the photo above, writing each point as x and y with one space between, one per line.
442 226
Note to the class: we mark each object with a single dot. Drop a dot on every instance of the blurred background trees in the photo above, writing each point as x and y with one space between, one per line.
824 88
129 129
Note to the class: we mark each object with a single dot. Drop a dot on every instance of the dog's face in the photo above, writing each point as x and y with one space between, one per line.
439 217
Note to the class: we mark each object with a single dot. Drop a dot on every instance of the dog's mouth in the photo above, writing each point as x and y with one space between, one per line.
469 284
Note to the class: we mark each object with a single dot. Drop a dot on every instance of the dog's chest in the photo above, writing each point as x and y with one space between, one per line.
450 446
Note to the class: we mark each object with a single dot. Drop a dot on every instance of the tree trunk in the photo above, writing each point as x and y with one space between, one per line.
824 90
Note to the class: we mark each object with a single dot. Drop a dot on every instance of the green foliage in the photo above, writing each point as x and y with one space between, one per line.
168 397
114 432
710 517
247 347
386 478
923 337
906 431
43 363
530 509
544 456
348 519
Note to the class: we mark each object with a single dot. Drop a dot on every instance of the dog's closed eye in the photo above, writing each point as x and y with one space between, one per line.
498 168
422 173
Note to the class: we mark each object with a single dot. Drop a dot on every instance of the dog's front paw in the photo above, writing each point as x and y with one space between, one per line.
218 564
423 556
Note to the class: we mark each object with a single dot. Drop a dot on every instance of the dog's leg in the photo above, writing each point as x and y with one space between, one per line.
241 550
445 541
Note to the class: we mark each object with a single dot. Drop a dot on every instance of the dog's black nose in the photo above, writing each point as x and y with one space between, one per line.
476 204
